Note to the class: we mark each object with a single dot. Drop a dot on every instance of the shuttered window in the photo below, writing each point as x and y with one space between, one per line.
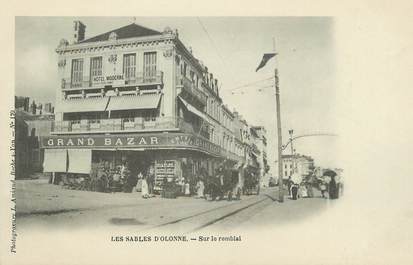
149 64
95 67
77 72
129 66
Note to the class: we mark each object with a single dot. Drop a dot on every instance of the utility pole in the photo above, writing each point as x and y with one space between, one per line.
280 162
280 142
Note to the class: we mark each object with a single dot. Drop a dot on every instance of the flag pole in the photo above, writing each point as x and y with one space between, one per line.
279 132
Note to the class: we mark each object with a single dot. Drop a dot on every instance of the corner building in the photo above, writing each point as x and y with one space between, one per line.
139 96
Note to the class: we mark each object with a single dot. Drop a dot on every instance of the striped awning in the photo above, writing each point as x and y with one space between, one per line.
83 105
145 101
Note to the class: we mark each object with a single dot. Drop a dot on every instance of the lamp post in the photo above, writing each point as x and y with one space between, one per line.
290 132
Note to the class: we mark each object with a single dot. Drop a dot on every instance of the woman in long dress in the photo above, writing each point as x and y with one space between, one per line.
145 189
201 188
187 190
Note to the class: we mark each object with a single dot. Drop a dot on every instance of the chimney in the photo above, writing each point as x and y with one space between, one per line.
33 108
79 30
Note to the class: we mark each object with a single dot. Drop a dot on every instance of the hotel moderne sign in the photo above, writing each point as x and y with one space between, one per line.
150 141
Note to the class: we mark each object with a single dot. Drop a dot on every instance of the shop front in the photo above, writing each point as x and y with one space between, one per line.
161 158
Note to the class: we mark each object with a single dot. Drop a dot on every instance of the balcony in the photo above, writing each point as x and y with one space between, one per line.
190 92
145 80
141 79
255 149
138 124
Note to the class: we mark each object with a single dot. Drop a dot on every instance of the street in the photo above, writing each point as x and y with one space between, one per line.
42 205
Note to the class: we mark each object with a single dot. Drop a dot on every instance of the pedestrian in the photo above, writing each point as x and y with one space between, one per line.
323 187
332 191
187 189
151 180
145 190
239 190
294 191
289 183
296 180
200 189
303 191
309 186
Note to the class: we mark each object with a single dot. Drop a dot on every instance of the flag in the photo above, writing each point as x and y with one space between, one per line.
265 59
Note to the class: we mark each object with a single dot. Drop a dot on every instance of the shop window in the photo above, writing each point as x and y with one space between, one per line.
150 115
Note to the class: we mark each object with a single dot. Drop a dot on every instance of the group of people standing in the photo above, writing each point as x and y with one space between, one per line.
329 185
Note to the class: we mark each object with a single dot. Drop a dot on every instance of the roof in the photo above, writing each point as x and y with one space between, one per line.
130 31
31 117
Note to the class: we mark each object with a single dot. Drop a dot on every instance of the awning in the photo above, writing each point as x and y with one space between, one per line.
80 161
194 110
55 160
83 105
146 101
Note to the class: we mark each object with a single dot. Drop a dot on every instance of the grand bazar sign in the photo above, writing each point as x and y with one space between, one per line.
169 140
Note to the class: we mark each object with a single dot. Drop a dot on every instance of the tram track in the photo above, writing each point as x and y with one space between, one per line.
202 220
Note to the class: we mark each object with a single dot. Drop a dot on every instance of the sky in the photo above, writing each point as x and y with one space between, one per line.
231 48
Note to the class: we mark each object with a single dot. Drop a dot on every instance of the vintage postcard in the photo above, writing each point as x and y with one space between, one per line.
202 139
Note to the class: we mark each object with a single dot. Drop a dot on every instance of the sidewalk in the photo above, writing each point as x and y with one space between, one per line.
40 197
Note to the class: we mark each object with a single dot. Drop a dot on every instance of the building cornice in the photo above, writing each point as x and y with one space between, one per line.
111 44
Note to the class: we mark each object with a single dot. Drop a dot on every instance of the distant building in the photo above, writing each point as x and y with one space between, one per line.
29 129
22 103
262 147
302 164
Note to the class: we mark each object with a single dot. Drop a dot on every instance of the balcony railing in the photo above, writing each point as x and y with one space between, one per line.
141 79
255 149
146 79
189 87
123 125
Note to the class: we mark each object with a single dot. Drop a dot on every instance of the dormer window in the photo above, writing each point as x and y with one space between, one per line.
113 36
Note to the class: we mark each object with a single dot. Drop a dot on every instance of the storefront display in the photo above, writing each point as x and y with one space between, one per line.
165 169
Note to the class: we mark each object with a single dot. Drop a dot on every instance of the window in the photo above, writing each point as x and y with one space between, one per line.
149 64
150 115
95 67
192 76
285 166
129 66
184 70
285 173
77 72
